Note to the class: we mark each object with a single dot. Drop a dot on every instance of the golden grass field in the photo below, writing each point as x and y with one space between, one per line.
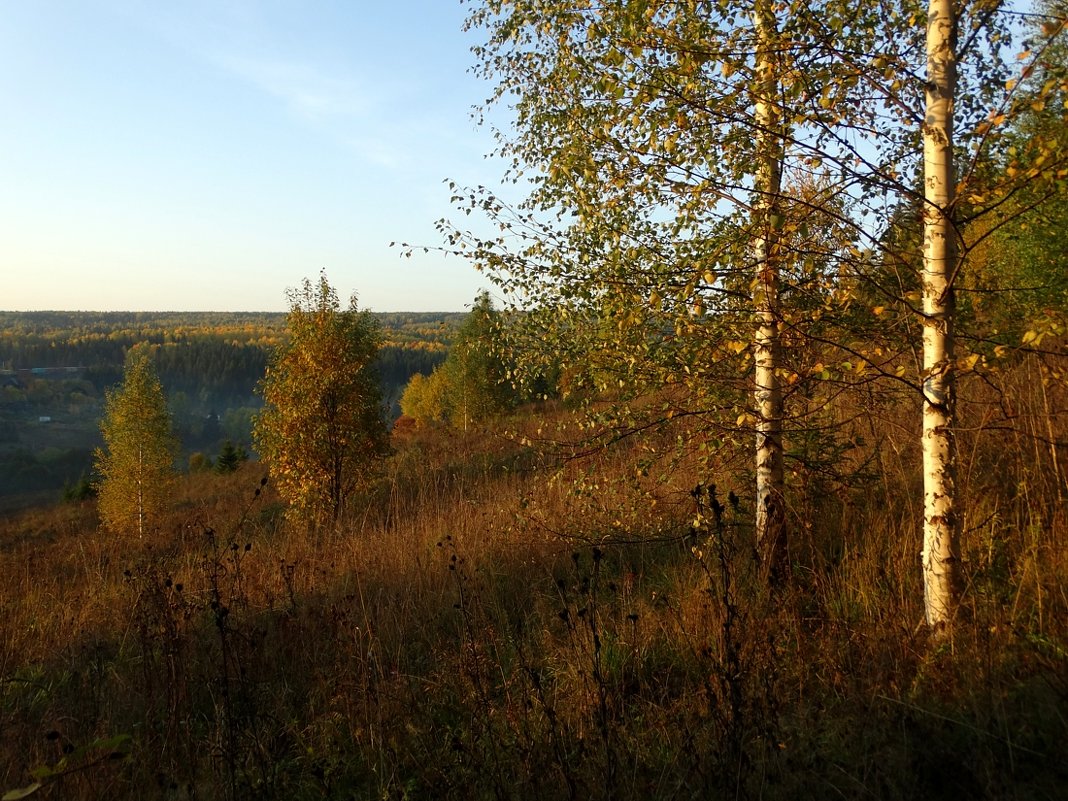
488 623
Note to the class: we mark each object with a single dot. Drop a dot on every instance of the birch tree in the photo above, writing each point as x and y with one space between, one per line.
473 383
1005 180
322 431
941 521
770 488
661 133
669 143
474 371
665 142
136 464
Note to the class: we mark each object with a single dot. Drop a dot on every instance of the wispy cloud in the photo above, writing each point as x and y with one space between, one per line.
307 90
380 151
361 115
380 108
358 114
334 96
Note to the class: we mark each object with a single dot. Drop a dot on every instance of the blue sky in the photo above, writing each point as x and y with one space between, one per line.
208 154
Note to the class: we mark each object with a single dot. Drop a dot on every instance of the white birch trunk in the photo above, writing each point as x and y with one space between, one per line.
140 490
940 521
767 396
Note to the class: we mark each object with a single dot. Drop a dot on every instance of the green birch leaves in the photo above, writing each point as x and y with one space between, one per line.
136 464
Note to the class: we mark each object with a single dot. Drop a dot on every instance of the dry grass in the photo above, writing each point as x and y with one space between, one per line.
484 627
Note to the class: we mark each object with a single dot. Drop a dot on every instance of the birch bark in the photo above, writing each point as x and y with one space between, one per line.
941 522
768 403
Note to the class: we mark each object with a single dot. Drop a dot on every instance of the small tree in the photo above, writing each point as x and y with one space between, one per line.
425 399
136 464
200 462
472 384
322 429
230 457
475 371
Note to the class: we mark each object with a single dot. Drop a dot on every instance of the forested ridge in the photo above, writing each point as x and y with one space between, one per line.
209 364
100 339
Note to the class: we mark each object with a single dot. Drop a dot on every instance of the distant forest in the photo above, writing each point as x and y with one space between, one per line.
56 366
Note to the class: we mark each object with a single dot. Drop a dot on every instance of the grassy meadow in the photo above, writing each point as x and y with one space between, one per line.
490 622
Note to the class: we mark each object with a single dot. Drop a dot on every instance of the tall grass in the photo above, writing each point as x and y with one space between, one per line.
483 625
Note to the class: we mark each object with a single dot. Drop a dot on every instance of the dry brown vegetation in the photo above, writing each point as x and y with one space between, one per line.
484 625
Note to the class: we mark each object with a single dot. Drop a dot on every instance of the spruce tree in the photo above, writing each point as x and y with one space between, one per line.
230 457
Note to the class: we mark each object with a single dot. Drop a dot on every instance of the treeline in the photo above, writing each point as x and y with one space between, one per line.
217 358
210 365
475 381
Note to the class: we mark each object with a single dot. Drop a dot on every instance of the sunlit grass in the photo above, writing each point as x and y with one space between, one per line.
481 625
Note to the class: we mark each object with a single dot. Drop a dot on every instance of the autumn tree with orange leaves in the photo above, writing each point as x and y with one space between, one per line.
322 431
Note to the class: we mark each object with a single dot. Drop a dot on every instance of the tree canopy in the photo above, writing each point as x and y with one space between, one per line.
322 431
474 383
136 465
711 188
